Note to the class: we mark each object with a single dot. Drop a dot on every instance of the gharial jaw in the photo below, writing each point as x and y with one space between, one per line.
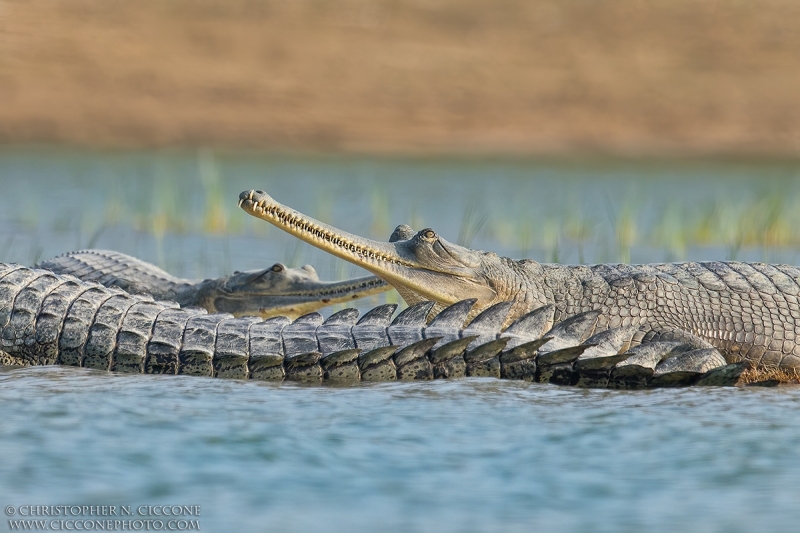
421 266
281 291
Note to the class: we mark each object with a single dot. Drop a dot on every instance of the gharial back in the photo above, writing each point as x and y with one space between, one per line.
49 319
115 269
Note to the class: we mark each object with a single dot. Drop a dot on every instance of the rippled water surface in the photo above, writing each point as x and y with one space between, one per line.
466 455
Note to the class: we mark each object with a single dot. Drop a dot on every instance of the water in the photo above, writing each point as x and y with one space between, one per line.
179 209
466 455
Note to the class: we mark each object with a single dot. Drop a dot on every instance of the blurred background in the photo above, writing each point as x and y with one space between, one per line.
569 130
576 131
628 77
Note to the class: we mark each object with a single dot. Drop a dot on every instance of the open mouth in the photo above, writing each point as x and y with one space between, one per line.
261 205
397 262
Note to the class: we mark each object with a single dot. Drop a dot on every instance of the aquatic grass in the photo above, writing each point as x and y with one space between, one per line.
416 219
550 239
338 269
215 215
722 225
471 223
177 201
225 259
669 233
95 236
164 198
37 252
518 235
761 221
7 245
624 221
525 236
30 213
579 231
294 249
626 233
114 209
380 226
766 222
257 227
323 209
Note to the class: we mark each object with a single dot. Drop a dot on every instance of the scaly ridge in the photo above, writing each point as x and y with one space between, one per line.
134 334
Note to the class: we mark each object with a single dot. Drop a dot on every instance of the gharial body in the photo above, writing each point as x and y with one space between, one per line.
748 311
46 318
273 291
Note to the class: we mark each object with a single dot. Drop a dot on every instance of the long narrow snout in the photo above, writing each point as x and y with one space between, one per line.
396 262
369 254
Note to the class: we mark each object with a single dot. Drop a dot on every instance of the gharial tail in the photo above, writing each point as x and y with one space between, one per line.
46 319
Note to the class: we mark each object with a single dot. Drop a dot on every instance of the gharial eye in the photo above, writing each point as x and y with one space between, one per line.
428 234
277 267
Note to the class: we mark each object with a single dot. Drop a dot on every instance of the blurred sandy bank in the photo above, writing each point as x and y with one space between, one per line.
625 77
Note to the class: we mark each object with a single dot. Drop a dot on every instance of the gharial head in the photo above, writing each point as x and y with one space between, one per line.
420 265
279 290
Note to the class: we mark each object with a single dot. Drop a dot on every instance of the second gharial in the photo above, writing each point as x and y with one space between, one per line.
273 291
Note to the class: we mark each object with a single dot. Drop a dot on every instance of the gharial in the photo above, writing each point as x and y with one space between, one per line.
748 311
46 318
273 291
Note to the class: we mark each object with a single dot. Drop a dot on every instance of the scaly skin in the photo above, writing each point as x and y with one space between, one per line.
748 311
275 291
47 318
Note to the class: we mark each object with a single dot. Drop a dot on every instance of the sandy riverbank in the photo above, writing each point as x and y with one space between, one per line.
381 76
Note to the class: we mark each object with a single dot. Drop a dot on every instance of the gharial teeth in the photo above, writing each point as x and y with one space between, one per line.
293 219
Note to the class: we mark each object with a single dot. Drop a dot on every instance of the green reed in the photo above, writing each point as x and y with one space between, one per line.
215 213
471 223
172 199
